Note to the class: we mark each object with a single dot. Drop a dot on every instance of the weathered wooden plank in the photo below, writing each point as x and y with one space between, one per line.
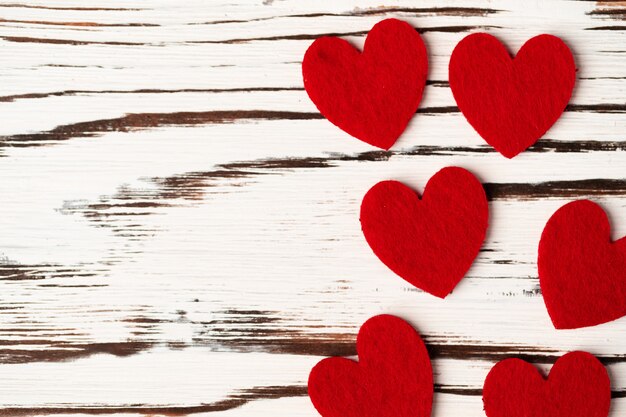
159 383
180 226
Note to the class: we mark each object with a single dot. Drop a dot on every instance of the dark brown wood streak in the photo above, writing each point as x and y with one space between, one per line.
75 42
82 9
149 120
241 331
439 11
77 24
12 271
26 39
190 188
556 189
70 93
60 351
38 274
613 27
246 331
233 401
615 13
311 36
15 97
135 121
597 108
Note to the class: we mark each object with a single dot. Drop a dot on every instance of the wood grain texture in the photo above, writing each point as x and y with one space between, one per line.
180 230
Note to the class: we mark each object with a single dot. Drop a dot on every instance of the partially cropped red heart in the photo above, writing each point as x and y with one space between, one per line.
582 273
578 386
430 242
370 95
393 377
511 103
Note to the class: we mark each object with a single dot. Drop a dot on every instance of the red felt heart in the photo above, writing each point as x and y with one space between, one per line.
511 103
581 272
393 377
578 386
370 95
431 242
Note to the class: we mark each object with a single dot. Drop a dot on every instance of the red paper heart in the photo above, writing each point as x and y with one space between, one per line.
511 103
578 386
393 377
370 95
581 272
431 242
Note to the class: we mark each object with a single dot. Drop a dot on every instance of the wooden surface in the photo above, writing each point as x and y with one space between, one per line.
179 226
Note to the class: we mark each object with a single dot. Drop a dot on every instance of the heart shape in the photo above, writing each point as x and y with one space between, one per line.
581 272
578 386
511 103
431 242
393 377
370 95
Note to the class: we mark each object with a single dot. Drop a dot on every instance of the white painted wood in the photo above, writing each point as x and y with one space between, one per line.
282 245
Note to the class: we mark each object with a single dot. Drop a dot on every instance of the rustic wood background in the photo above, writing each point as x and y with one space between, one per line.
179 226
